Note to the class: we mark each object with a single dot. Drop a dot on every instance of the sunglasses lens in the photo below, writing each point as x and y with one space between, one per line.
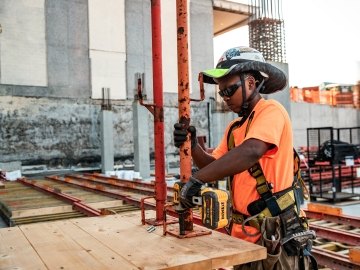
228 92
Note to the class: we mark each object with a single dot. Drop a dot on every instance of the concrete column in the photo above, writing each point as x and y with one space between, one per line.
141 139
219 122
107 129
282 96
107 141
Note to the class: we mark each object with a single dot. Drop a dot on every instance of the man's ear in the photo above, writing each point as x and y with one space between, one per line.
251 82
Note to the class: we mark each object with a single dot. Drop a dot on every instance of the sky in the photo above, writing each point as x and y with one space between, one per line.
322 39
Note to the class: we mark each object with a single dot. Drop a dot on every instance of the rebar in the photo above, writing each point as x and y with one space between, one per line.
266 29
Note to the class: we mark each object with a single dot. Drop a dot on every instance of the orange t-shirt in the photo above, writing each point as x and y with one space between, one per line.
270 124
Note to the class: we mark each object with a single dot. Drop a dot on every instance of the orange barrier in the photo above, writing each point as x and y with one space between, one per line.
354 255
332 97
325 209
344 99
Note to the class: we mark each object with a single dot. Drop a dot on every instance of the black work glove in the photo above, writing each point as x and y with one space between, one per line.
180 134
189 190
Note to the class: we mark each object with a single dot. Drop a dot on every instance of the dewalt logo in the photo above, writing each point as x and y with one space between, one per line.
222 210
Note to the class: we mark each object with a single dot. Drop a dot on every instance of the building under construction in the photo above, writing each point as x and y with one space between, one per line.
89 93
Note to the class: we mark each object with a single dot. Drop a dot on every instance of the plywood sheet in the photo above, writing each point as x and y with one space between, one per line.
63 245
16 251
109 241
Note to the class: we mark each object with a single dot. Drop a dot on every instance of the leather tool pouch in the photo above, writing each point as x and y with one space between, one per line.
291 225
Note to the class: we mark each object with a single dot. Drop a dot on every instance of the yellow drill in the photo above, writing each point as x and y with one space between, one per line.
214 205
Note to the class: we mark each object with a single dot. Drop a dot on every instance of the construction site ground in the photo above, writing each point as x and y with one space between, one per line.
47 219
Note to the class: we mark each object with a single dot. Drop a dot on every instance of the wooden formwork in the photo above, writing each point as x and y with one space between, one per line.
117 242
338 236
20 204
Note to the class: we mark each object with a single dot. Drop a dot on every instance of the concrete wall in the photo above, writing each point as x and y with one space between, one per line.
54 120
308 115
34 130
138 45
139 54
67 35
107 47
15 43
58 131
65 58
139 60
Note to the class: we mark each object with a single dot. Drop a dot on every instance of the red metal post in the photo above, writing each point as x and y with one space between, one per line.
185 218
160 184
183 85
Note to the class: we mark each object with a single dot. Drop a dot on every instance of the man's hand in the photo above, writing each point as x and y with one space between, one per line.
180 135
189 190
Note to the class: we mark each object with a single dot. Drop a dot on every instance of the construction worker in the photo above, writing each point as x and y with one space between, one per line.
256 152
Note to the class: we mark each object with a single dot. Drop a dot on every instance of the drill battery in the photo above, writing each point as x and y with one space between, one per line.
215 208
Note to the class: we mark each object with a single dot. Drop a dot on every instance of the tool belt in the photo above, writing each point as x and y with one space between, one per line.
241 219
258 209
273 205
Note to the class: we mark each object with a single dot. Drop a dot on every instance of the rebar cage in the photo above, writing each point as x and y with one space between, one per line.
266 29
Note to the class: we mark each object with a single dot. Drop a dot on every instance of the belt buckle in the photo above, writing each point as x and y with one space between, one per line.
237 218
273 206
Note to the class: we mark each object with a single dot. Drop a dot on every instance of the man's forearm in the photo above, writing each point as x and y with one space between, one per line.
200 157
235 161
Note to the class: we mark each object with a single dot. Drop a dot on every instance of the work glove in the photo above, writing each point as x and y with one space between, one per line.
180 134
189 190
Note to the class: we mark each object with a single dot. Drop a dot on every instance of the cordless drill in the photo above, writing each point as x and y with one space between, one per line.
214 205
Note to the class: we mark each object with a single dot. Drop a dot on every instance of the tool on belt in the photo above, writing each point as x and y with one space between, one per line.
214 205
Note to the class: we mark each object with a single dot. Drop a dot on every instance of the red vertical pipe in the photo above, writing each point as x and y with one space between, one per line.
160 185
183 85
185 218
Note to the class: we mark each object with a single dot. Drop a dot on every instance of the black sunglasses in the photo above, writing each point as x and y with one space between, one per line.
228 92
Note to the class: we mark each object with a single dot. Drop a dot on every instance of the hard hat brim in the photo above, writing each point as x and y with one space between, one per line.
275 79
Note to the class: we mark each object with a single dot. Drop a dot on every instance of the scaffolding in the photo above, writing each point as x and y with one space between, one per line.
266 29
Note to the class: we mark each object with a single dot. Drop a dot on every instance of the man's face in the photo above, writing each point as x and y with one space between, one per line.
231 85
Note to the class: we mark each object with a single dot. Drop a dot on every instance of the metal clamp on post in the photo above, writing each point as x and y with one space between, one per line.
141 94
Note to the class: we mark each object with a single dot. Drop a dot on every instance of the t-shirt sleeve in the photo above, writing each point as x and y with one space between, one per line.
222 148
267 126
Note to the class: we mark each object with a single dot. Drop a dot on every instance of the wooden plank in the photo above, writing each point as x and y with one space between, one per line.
145 250
326 209
106 204
58 250
222 249
16 252
41 211
2 185
104 255
61 209
110 242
